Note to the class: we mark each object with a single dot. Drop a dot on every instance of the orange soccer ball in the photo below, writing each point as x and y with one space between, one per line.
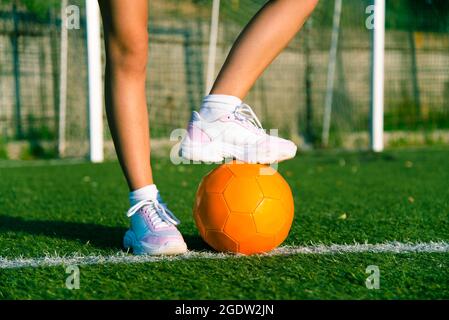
243 208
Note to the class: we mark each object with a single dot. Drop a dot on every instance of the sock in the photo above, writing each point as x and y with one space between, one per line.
149 192
216 105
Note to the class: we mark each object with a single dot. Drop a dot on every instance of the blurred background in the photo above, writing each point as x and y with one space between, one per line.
290 96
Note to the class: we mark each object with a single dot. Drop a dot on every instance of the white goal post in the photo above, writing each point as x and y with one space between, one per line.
377 81
95 86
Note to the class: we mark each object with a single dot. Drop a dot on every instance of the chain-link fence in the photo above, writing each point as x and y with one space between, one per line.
289 96
29 82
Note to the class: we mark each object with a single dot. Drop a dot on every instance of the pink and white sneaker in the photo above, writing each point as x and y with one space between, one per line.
153 230
238 135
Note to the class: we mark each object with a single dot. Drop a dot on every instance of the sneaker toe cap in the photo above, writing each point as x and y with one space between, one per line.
283 148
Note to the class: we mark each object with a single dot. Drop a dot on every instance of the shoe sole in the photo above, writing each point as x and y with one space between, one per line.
216 152
130 242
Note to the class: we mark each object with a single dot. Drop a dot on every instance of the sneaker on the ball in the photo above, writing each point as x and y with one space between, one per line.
237 135
153 230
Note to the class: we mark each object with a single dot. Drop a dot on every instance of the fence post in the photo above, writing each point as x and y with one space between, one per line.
16 66
63 81
309 134
212 45
331 73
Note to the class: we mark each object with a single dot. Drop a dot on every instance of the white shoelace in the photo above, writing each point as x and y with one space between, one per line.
244 112
158 212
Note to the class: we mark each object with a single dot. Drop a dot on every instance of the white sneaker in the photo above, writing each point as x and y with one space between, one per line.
153 230
238 135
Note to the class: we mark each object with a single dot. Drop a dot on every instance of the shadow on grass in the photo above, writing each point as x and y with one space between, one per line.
195 242
104 237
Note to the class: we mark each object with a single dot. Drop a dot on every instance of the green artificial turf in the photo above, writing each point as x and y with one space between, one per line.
401 195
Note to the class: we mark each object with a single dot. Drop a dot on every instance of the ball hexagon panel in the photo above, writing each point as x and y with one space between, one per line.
213 211
259 244
283 233
243 194
199 194
199 223
217 180
269 186
269 216
245 169
286 195
220 241
240 227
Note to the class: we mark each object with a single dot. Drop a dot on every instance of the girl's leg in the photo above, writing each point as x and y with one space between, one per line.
260 43
222 110
126 41
153 228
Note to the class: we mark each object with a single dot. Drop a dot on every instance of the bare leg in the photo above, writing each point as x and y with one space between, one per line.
260 43
126 41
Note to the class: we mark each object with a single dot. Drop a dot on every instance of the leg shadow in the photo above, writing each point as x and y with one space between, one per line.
195 242
103 237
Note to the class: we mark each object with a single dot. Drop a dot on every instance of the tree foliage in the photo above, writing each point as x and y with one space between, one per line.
422 15
41 8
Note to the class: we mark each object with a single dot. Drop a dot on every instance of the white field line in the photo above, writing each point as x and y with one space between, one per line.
320 249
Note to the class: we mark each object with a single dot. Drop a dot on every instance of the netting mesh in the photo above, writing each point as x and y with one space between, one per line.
290 96
179 32
77 139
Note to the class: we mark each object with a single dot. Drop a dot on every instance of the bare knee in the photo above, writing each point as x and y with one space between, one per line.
128 53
